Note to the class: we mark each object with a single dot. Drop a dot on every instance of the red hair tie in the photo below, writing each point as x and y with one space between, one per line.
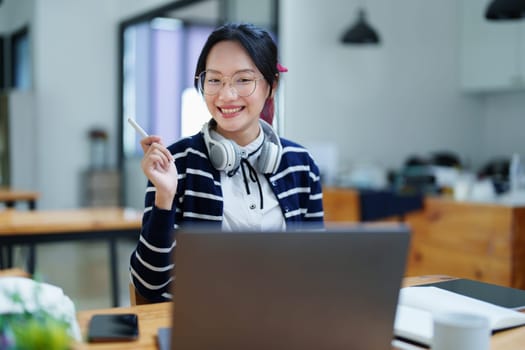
268 110
281 68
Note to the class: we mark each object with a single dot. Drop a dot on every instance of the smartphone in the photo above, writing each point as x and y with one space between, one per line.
113 327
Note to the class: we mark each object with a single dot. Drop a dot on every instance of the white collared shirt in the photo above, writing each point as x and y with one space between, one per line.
242 211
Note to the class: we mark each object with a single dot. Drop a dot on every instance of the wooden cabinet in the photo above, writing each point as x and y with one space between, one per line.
101 188
492 52
341 205
347 205
479 241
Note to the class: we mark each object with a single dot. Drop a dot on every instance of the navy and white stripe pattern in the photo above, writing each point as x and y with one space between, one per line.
199 200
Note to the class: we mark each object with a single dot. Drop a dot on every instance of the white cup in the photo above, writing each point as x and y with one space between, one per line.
460 331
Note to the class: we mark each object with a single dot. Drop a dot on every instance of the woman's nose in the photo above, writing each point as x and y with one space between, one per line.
227 91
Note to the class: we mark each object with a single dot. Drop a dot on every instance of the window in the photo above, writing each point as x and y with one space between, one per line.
158 67
21 74
3 83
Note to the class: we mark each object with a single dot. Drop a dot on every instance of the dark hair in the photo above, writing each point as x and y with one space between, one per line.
256 41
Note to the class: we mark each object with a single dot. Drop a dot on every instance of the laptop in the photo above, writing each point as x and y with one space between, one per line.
335 289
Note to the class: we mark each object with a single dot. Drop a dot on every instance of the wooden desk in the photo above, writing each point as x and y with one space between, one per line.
10 196
154 316
151 318
32 227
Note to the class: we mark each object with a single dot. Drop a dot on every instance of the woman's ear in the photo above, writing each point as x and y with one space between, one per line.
275 84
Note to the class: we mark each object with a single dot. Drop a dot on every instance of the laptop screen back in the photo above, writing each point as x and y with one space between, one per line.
335 289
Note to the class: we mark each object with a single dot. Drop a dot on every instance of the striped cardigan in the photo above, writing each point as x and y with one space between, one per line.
199 200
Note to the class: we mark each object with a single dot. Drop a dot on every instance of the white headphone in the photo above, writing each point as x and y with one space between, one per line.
226 154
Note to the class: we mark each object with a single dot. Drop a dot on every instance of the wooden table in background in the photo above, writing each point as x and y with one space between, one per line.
41 226
14 272
10 196
154 316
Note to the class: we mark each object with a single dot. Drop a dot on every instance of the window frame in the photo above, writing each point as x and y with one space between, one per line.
15 39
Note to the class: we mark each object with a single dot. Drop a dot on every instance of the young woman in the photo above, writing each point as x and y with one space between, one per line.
237 173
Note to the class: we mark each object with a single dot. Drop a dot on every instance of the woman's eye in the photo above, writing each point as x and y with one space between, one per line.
244 80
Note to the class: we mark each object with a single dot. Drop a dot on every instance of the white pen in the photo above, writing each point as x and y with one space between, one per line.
137 127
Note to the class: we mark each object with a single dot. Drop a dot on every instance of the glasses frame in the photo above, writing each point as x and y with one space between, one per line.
223 83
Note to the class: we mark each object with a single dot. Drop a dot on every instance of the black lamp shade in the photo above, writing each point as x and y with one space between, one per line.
505 10
360 32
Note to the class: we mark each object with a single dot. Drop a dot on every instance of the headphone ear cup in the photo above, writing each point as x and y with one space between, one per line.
269 158
225 155
218 156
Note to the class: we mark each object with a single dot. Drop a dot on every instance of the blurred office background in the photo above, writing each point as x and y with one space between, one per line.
440 79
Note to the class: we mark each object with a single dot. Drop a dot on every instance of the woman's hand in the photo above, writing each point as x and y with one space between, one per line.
159 166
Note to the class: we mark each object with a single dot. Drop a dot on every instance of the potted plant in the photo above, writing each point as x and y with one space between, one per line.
35 315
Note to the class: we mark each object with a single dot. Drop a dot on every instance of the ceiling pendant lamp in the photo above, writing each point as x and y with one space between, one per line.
498 10
360 32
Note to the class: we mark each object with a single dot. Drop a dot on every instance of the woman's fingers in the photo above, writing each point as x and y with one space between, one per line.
155 143
146 142
160 154
157 157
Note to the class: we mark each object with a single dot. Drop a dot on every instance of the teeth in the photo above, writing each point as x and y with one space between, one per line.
231 110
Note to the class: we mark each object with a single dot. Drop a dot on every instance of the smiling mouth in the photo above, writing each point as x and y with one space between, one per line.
230 110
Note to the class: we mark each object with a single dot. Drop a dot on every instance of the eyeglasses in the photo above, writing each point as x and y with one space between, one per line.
243 83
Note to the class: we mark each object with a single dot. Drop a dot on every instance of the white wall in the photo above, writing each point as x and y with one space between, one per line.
504 124
22 141
14 14
251 11
74 84
124 9
378 104
382 103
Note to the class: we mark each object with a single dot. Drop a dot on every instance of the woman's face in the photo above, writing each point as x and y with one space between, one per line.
237 116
